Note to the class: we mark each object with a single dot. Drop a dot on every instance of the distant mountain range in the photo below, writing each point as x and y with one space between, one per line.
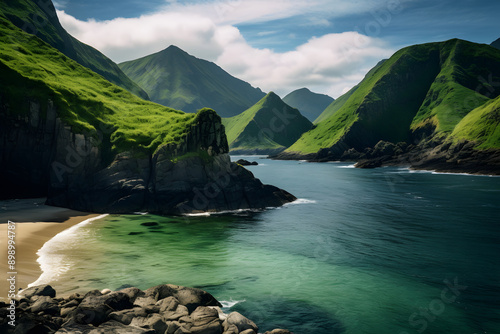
310 104
268 127
441 93
176 79
38 17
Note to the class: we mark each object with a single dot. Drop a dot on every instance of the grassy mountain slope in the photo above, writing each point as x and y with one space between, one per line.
33 70
339 102
268 125
310 104
421 90
38 17
481 125
176 79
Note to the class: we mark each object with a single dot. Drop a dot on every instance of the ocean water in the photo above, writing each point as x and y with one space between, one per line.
362 251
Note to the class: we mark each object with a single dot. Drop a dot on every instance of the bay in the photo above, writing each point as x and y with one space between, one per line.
386 250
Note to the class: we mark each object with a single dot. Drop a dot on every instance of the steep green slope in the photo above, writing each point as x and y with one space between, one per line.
338 103
176 79
481 125
268 125
310 104
422 90
38 17
33 70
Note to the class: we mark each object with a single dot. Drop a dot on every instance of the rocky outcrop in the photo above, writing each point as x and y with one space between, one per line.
433 154
41 156
163 309
244 162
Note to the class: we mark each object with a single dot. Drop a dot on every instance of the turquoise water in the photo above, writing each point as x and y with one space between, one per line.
362 251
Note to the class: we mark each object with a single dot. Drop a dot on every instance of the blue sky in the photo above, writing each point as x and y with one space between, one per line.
278 45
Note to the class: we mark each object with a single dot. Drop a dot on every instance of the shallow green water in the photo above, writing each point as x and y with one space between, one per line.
363 251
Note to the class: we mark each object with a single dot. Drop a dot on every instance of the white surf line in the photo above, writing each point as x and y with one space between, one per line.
52 267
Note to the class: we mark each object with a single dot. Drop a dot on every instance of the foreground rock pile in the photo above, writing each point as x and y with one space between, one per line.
163 309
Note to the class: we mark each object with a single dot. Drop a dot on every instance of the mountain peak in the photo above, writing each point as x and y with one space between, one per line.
174 48
176 79
310 104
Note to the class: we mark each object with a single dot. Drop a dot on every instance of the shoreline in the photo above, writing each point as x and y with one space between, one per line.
32 231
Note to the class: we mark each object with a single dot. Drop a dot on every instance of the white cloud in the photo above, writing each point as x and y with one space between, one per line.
328 64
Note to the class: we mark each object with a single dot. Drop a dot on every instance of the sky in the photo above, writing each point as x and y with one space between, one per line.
281 45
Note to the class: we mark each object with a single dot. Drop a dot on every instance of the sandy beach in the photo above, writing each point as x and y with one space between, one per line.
36 223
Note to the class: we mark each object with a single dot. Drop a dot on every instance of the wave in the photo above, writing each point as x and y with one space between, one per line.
434 172
227 304
348 166
208 214
302 201
51 264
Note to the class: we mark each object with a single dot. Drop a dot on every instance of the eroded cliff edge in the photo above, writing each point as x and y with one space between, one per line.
42 156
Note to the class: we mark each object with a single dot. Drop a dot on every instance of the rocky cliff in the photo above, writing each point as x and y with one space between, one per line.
41 156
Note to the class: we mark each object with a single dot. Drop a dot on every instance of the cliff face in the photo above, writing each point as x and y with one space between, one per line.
40 156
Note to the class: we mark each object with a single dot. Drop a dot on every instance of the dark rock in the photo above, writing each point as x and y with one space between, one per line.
189 297
67 310
367 164
124 316
40 290
241 322
46 305
95 307
244 162
132 293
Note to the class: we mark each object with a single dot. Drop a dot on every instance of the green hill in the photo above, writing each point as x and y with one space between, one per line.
38 17
176 79
267 127
338 103
422 91
68 134
33 70
310 104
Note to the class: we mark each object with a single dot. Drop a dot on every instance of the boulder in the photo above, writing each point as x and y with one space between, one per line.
40 290
189 297
180 311
243 323
205 320
153 321
124 316
244 162
46 305
95 307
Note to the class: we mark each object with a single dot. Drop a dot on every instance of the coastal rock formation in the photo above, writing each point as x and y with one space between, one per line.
163 309
41 156
244 162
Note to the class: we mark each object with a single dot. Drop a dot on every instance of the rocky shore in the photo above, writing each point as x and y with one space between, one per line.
163 309
429 154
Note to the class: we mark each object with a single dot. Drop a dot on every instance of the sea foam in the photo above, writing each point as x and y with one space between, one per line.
51 263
